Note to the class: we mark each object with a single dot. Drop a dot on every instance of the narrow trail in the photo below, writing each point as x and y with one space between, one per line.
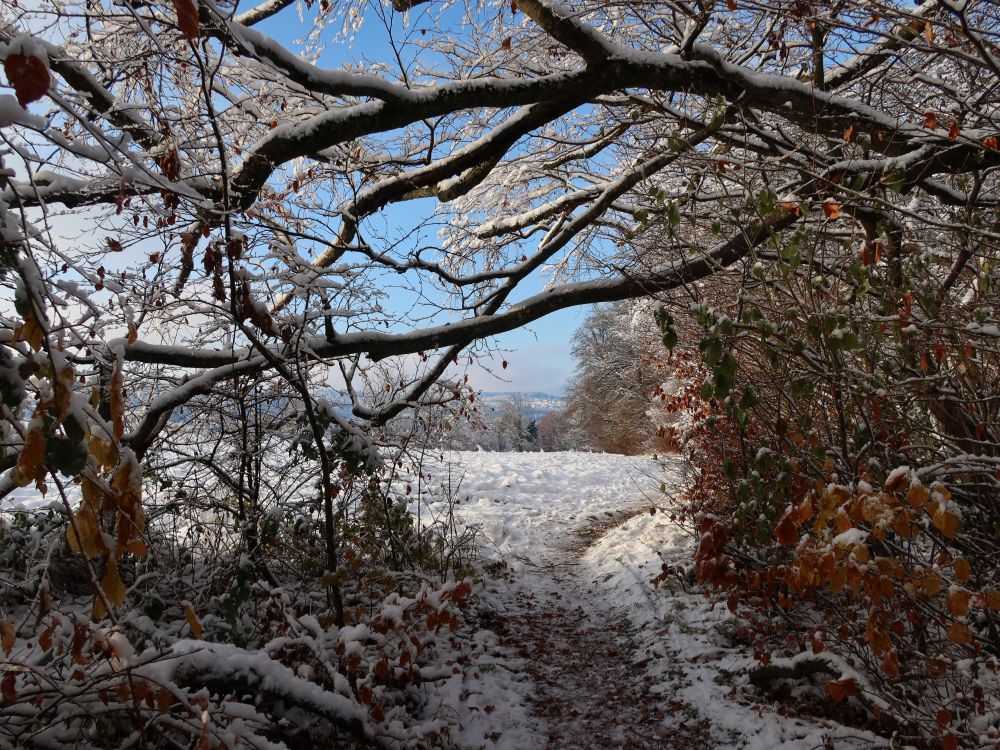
581 654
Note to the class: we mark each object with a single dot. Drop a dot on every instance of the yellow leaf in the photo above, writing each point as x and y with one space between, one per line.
192 620
91 542
105 452
33 333
112 584
113 588
33 452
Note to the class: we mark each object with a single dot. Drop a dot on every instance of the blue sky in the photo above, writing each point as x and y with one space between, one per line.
538 357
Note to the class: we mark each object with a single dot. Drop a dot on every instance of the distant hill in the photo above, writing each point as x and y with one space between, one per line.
539 404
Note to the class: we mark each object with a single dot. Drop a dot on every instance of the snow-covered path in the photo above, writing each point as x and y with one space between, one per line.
592 690
590 653
543 514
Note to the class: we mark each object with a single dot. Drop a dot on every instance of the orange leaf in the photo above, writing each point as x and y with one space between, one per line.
831 209
192 620
946 522
958 601
931 583
930 120
954 131
731 4
137 547
943 717
963 570
960 633
187 19
842 689
7 637
928 32
33 452
949 742
890 664
112 585
896 481
849 133
29 76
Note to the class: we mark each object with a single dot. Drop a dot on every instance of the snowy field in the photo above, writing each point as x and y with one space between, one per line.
531 507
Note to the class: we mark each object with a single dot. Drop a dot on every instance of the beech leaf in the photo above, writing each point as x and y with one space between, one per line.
29 76
187 19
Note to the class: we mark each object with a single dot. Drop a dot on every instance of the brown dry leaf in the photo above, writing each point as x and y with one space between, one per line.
840 690
33 452
29 75
7 637
192 620
786 532
958 602
33 333
890 664
117 402
91 543
187 19
7 690
960 633
917 496
137 547
991 598
963 570
112 584
931 584
946 522
831 209
105 452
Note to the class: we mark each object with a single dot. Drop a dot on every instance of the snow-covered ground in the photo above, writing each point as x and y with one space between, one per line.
532 507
